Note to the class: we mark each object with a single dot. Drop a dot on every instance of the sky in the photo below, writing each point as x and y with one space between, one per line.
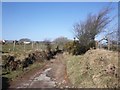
46 20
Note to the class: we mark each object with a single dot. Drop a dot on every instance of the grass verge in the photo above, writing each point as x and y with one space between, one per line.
93 69
14 74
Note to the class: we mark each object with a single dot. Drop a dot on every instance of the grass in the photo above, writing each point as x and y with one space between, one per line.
87 71
13 74
21 48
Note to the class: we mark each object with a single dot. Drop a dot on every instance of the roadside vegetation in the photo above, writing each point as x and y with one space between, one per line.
19 73
95 69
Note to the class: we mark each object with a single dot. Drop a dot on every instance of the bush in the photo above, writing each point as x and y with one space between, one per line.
73 48
68 47
76 48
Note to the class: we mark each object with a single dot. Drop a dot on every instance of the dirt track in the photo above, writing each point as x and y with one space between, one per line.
52 75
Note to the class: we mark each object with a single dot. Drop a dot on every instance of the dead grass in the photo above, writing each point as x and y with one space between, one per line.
95 69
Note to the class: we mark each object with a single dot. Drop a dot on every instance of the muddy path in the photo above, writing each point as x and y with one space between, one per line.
52 75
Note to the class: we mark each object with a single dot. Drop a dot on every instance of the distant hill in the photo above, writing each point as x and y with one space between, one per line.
25 40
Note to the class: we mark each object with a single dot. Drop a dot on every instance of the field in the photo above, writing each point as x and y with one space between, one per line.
25 48
21 48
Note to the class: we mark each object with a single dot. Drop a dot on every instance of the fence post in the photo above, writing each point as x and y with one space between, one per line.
96 45
108 42
24 46
32 45
13 45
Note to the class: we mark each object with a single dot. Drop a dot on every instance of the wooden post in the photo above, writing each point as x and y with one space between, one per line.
37 46
96 44
108 42
32 45
13 45
24 46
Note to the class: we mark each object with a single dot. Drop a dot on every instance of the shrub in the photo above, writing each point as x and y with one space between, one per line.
76 48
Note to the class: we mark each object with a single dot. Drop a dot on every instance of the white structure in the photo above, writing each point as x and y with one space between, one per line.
26 42
3 41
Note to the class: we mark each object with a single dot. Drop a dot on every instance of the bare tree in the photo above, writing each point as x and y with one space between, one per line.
86 31
61 41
